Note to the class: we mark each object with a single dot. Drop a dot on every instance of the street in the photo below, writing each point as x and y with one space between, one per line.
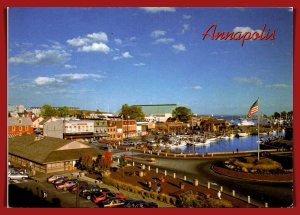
274 193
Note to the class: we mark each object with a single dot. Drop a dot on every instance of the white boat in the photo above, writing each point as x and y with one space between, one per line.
242 134
232 136
245 122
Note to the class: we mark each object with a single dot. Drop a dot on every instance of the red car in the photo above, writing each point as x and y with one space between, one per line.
98 197
65 185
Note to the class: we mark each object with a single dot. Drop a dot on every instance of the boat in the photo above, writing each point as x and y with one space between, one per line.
232 136
242 134
225 137
244 122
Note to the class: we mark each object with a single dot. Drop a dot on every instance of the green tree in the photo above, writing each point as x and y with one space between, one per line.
283 115
123 163
276 115
132 112
182 114
48 111
63 111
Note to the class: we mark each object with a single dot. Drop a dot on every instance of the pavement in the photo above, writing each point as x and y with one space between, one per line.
27 193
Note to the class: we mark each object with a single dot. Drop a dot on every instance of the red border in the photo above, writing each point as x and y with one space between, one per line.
134 3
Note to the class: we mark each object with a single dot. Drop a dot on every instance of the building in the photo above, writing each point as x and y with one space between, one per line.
158 112
48 154
214 125
36 122
100 129
128 128
69 129
19 126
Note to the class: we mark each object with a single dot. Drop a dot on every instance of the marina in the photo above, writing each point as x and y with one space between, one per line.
182 144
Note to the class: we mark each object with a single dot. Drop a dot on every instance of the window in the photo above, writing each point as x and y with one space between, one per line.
26 128
13 128
20 128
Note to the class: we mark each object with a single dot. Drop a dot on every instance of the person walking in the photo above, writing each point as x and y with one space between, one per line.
44 195
219 195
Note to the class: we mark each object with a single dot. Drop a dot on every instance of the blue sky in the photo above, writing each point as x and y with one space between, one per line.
101 58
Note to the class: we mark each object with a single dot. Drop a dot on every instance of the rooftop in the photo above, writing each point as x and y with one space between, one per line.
158 108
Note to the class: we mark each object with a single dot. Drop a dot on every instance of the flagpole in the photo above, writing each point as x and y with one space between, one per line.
258 143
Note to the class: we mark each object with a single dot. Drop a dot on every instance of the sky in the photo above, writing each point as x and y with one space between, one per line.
102 58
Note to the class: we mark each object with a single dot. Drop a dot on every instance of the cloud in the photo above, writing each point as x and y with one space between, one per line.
157 33
118 41
279 86
245 29
139 64
79 76
248 80
185 28
158 9
179 47
132 38
187 16
40 81
68 66
163 40
123 55
95 47
88 39
197 87
44 57
65 77
94 42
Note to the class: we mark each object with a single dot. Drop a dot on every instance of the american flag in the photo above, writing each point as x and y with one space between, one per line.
253 109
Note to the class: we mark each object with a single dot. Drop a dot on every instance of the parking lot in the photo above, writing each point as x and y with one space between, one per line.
27 193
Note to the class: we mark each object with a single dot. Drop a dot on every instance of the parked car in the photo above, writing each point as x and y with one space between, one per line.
144 204
79 184
111 202
16 176
151 160
52 178
138 204
87 191
98 197
66 185
60 181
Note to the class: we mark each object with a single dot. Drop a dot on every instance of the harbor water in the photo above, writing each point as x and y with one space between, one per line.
224 145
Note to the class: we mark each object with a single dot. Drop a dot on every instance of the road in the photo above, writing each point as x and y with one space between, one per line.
276 194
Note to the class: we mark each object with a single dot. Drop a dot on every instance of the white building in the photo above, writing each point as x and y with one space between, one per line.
69 129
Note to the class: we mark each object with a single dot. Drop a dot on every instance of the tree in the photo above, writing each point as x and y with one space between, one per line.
63 111
132 112
106 160
182 114
283 115
48 111
122 163
87 161
276 115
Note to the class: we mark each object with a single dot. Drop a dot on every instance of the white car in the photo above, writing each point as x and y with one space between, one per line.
16 176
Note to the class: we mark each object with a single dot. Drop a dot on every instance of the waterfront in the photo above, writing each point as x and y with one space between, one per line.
223 145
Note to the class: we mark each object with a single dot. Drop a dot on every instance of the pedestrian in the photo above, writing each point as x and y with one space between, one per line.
45 195
237 150
219 195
